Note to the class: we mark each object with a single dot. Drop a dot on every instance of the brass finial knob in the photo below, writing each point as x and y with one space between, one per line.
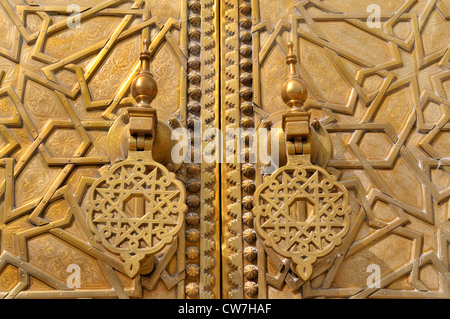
294 92
144 87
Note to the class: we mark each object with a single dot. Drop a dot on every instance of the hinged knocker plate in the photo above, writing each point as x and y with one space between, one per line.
301 211
136 208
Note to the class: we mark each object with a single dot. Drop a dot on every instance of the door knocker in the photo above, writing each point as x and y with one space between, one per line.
136 208
301 210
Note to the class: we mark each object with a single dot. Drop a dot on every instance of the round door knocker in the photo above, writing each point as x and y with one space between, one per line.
302 213
136 208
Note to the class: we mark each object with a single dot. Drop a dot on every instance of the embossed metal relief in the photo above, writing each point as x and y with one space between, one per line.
378 100
283 220
68 124
381 94
137 206
301 211
148 227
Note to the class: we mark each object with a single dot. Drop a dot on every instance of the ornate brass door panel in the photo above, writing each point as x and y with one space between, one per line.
380 89
92 203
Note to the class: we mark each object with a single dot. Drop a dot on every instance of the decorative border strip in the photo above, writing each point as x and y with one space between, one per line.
248 171
231 191
209 211
193 185
202 226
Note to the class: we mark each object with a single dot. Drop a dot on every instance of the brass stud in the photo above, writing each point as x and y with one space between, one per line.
249 235
192 290
250 288
192 253
192 219
250 253
192 270
251 272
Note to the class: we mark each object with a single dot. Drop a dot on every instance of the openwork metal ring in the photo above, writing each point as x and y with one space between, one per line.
138 229
302 212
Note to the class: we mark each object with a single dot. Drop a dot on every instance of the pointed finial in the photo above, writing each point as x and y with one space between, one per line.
145 57
146 44
291 58
144 87
294 92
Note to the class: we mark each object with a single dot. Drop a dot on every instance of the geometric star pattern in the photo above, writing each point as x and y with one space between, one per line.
382 94
61 90
152 222
286 224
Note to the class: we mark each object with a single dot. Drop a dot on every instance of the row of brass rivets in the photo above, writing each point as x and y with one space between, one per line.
193 183
250 270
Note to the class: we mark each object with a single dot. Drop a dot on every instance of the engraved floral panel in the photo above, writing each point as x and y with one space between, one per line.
405 185
366 46
6 107
71 40
389 254
114 70
323 71
395 109
42 104
361 5
435 34
165 69
51 254
375 145
34 180
276 10
164 9
9 277
63 143
6 30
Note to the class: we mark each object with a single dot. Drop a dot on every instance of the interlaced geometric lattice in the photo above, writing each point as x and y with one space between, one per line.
152 222
384 94
282 217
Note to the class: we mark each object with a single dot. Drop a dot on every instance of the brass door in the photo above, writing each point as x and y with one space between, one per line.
81 120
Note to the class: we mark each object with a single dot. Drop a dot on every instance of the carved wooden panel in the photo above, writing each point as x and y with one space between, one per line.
382 93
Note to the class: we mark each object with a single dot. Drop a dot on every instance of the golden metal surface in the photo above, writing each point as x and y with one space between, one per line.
285 222
301 211
381 95
378 98
65 91
136 208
